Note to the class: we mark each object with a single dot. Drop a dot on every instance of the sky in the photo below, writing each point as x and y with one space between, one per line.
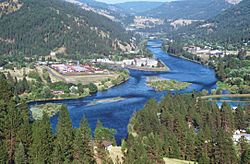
119 1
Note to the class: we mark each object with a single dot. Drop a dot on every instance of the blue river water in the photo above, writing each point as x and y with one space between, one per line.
136 93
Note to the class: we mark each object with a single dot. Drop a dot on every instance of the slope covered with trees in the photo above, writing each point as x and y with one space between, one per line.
181 126
23 140
138 7
185 127
40 27
189 9
229 27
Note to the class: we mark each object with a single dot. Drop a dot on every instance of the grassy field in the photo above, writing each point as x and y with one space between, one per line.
160 84
176 161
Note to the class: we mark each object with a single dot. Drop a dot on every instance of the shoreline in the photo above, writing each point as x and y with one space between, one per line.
146 69
225 95
73 98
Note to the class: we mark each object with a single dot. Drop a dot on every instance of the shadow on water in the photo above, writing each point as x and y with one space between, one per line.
136 93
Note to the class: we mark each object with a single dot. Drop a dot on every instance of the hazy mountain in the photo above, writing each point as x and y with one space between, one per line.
138 7
189 9
230 26
39 27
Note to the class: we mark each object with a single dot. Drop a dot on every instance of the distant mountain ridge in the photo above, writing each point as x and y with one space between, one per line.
190 9
231 26
138 6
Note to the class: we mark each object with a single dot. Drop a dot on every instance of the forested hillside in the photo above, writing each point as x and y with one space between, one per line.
138 7
185 127
229 27
39 27
23 140
189 9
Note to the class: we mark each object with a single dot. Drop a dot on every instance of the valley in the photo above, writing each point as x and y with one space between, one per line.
122 82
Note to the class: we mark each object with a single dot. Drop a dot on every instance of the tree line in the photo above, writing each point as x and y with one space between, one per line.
23 140
185 127
53 24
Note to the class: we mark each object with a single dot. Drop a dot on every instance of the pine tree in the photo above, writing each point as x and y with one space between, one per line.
227 118
63 151
243 144
203 159
3 152
245 158
20 157
190 146
12 122
83 148
224 151
240 118
136 152
42 143
24 134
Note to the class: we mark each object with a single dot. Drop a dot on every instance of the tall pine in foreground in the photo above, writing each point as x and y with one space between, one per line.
63 149
20 157
83 148
42 143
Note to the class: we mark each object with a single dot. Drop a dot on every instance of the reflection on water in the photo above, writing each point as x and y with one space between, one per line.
135 93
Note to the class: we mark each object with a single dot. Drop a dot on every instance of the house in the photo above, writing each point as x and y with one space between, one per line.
241 133
57 92
107 145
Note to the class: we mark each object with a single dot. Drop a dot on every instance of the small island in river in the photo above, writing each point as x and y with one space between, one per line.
108 100
50 109
160 84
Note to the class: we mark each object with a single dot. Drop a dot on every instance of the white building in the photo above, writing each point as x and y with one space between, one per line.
241 133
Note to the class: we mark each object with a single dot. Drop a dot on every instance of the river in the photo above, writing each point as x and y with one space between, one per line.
136 93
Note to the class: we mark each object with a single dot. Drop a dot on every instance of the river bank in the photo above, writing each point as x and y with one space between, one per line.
161 84
50 109
136 93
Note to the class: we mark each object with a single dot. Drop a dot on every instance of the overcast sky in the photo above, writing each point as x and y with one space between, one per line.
119 1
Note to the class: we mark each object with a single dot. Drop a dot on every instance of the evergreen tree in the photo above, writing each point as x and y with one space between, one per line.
227 118
12 122
190 146
104 134
42 144
24 134
83 148
136 152
240 118
245 158
224 151
3 152
63 150
20 157
203 159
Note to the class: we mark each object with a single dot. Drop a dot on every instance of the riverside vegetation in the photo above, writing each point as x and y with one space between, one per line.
36 86
187 128
178 127
49 109
232 70
160 84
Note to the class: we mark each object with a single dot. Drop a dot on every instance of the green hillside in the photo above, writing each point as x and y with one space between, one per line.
189 9
40 27
230 26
